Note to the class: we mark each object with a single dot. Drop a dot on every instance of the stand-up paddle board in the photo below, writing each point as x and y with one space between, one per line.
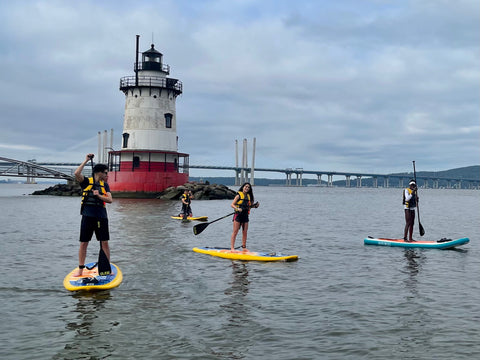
437 244
91 281
198 218
244 254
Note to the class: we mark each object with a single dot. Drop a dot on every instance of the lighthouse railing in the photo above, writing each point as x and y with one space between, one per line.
128 82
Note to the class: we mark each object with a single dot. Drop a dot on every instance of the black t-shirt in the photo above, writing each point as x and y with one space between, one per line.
94 211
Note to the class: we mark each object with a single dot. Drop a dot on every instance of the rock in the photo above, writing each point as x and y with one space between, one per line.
61 190
172 194
200 192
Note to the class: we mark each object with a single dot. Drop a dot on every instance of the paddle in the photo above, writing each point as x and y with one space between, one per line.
420 227
197 229
104 267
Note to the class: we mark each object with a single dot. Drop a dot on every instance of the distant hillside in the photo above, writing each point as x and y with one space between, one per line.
469 172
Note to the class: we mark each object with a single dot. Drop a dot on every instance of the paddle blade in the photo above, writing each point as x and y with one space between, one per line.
197 229
420 228
104 267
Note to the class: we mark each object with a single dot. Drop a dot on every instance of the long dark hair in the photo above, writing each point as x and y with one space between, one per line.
250 192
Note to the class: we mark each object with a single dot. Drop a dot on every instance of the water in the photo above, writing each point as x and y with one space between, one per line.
340 300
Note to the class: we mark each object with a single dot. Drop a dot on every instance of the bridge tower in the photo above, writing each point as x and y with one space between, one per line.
148 161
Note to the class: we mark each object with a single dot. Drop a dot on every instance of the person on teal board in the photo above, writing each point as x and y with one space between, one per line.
410 200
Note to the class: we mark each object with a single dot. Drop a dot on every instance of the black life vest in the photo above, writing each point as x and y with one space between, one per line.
413 200
244 204
187 199
87 196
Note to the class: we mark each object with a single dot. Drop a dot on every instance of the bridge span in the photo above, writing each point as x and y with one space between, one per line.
31 170
64 171
243 174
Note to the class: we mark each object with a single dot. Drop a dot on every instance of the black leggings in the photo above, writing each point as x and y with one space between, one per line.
409 222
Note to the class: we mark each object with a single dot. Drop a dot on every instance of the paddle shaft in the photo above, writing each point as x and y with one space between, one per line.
420 227
197 229
223 217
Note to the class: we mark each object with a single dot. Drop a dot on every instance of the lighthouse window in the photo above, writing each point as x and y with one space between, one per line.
136 161
125 139
168 120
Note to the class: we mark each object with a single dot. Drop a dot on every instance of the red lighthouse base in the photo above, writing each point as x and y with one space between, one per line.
140 184
144 179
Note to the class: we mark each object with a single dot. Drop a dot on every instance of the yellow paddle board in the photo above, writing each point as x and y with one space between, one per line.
91 281
245 254
198 218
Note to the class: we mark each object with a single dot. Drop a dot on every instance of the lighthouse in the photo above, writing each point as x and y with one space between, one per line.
148 161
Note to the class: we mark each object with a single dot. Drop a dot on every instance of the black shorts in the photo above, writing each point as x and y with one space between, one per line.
91 225
241 217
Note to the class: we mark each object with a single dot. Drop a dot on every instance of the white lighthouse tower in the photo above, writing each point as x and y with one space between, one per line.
148 161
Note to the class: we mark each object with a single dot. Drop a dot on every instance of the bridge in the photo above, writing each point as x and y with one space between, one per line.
242 174
64 171
31 170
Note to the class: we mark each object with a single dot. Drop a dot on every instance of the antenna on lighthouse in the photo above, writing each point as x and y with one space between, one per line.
136 61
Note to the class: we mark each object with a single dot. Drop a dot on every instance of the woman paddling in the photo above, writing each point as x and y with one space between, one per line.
410 199
242 203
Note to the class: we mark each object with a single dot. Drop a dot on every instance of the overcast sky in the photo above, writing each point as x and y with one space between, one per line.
347 85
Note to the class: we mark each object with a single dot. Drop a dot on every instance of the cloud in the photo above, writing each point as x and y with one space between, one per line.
329 85
18 147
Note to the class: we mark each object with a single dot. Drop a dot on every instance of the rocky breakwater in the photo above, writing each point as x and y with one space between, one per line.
61 190
199 191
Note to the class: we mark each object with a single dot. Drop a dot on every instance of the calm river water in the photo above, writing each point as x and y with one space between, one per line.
340 300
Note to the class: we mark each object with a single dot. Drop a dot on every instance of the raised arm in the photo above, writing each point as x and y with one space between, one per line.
78 172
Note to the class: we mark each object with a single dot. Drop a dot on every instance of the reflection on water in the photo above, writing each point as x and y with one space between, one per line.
239 283
237 290
237 311
413 316
88 325
414 264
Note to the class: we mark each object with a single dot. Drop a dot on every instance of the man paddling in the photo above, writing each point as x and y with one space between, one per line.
410 200
96 193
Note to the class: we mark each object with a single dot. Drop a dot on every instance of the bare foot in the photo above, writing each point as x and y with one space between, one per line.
78 273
